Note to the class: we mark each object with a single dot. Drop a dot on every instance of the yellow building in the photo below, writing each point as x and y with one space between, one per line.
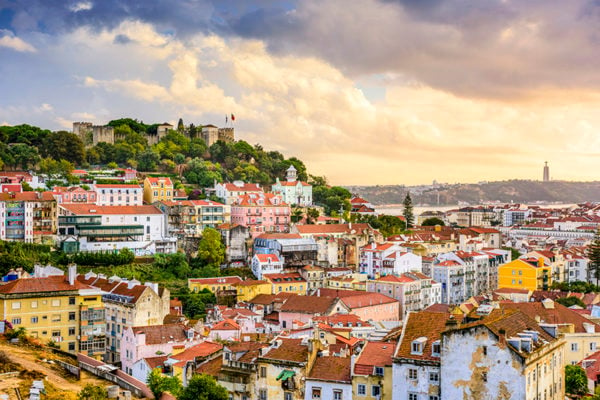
250 288
372 374
57 309
528 274
158 189
218 285
287 283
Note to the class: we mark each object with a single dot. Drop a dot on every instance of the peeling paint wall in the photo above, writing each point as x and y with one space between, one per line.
424 385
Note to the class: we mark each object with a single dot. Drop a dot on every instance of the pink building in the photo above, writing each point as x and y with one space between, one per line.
225 330
373 307
261 213
119 195
302 309
150 341
74 195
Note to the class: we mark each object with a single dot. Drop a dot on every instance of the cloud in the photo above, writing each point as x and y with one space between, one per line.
7 39
81 6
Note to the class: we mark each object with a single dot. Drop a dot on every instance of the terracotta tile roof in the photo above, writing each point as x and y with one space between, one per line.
374 354
154 362
251 282
345 320
422 324
286 277
154 181
211 367
286 183
203 349
438 308
27 196
341 293
557 315
331 369
226 325
395 279
117 186
279 236
40 285
246 187
252 200
309 305
368 300
159 334
511 290
115 287
265 258
484 230
266 299
227 280
92 209
333 228
289 350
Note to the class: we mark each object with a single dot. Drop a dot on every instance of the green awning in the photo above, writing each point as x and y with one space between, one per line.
285 374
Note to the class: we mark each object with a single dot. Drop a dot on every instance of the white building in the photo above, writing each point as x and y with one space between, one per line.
414 290
457 279
229 193
293 191
329 379
266 264
86 227
387 259
118 194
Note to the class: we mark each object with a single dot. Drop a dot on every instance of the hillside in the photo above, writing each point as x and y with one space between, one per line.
517 191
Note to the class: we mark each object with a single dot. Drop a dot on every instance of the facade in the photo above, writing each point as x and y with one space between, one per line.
294 250
373 306
189 218
293 191
314 276
211 134
387 259
235 237
266 264
158 189
142 229
286 283
74 194
118 194
372 374
261 213
219 286
530 274
457 280
58 309
127 304
229 193
249 289
329 379
29 217
414 290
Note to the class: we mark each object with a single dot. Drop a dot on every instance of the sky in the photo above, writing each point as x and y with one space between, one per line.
368 92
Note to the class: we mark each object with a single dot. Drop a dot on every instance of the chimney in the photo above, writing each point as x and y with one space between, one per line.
72 273
451 323
541 262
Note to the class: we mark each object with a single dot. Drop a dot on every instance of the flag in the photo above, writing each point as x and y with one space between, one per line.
232 117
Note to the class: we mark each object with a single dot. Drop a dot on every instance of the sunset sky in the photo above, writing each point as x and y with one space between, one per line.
364 91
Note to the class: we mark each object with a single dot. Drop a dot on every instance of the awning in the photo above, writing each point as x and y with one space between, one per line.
285 374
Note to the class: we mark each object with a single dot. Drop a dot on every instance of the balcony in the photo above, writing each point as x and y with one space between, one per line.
234 387
238 366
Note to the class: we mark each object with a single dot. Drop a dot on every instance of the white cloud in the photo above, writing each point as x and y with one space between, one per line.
82 6
7 39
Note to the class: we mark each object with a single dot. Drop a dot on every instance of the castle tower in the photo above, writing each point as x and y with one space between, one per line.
291 174
546 172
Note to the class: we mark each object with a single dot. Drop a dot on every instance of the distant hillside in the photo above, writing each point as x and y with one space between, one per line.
517 191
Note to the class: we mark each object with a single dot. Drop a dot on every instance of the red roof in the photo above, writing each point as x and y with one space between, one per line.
40 285
332 369
289 350
117 186
332 228
246 187
295 183
203 349
159 334
279 236
252 200
215 281
226 325
266 258
91 209
154 181
27 196
367 300
374 354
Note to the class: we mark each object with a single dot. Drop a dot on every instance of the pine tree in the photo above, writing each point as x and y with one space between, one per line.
180 126
593 253
408 211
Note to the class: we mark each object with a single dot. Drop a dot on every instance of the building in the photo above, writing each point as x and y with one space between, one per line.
211 134
127 304
287 282
261 213
372 374
189 218
293 191
530 274
142 229
59 309
266 264
235 237
292 249
229 193
457 279
503 355
302 309
161 132
387 259
91 134
414 290
248 289
372 306
546 172
118 194
220 286
314 276
329 379
158 189
417 364
29 217
73 195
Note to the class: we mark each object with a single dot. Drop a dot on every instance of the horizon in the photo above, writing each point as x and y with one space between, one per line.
442 90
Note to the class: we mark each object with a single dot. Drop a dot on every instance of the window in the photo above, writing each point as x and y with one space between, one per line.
593 346
412 373
413 396
514 272
287 396
16 321
71 316
71 301
34 304
16 305
337 395
514 282
434 377
379 371
375 390
56 318
484 350
71 346
56 303
71 331
55 333
573 346
361 390
435 348
316 393
484 376
34 320
432 397
263 372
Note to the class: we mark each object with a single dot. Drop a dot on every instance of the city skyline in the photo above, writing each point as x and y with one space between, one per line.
367 92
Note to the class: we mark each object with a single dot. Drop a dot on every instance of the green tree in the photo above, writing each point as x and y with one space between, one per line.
311 215
203 387
297 214
432 222
575 380
593 253
63 145
92 392
571 301
211 250
24 156
180 126
408 211
112 165
159 383
148 160
175 263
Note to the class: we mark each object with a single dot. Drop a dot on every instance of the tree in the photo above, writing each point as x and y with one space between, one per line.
92 392
211 250
575 380
180 126
593 253
297 214
63 145
408 211
203 387
159 383
311 215
24 156
571 301
433 221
